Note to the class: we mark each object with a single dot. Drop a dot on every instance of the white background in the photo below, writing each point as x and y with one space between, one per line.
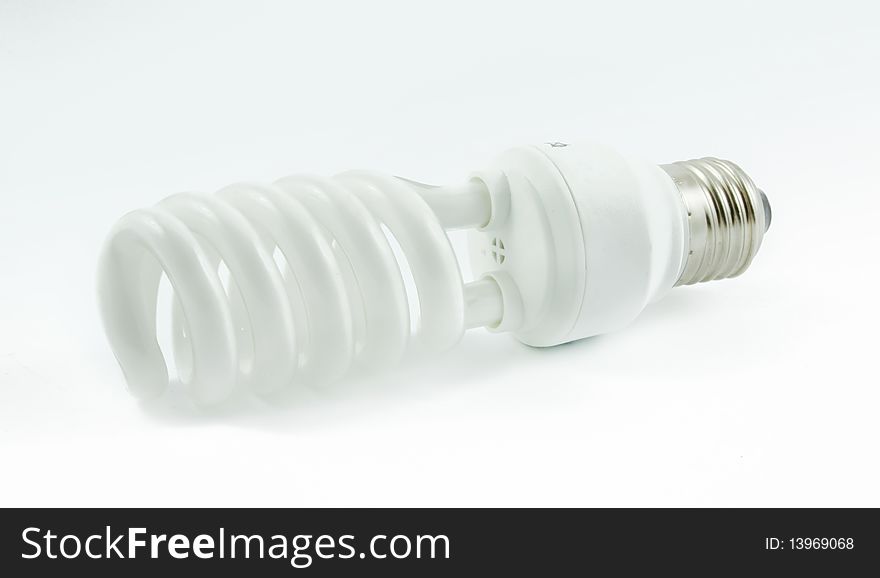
759 391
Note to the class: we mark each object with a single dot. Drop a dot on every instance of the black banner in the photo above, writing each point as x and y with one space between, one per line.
437 542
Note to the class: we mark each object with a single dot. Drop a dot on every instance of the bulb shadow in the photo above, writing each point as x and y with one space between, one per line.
304 406
676 306
478 361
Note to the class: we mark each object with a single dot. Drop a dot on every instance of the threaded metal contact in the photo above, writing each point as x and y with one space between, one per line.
727 218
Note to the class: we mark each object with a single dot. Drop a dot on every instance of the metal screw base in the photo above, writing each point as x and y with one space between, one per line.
727 218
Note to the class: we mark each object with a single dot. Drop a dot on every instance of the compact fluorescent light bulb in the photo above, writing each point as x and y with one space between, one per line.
566 241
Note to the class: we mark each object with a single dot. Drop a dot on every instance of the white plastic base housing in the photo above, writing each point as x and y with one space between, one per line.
580 240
